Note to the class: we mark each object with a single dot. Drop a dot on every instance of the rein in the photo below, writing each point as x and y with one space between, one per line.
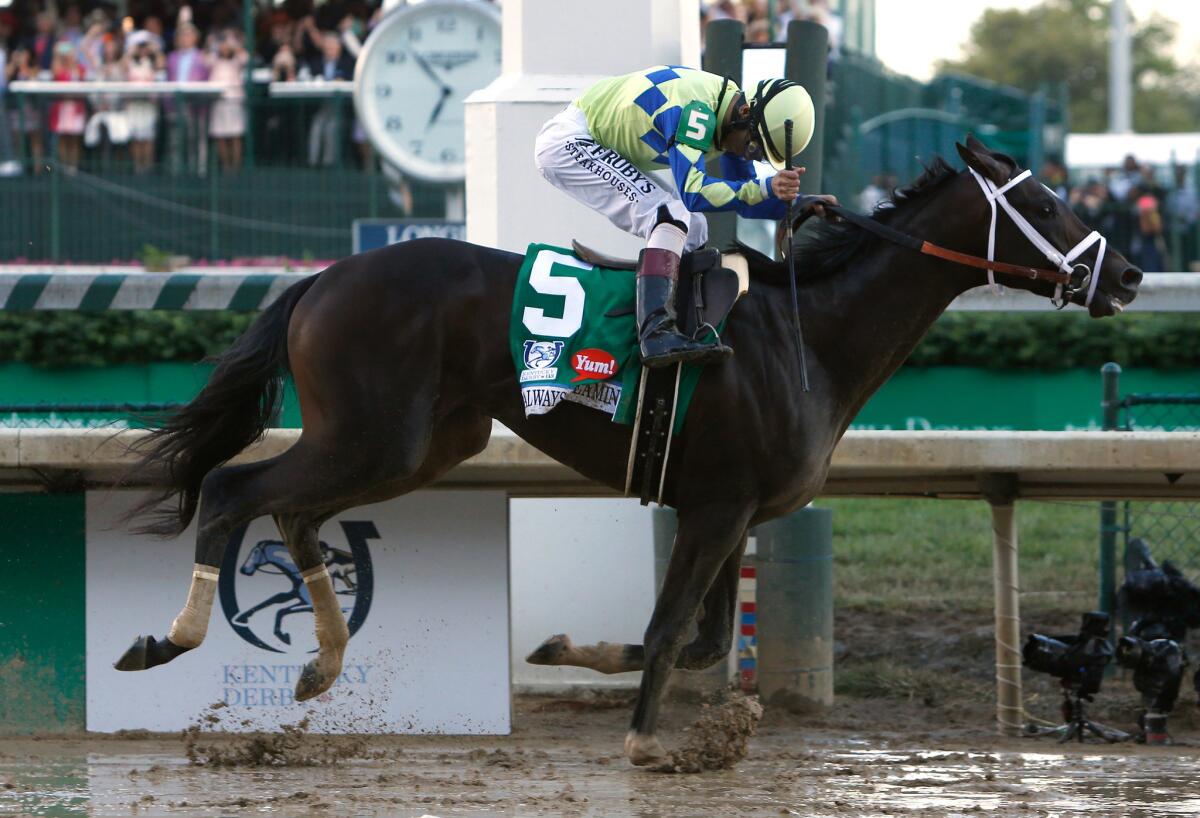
1064 278
929 248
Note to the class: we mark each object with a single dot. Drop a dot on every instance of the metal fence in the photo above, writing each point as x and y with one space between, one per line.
305 172
1172 529
879 122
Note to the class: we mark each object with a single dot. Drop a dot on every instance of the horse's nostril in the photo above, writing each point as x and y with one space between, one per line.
1131 277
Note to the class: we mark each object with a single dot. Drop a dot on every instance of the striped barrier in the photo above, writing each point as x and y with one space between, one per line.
94 291
129 288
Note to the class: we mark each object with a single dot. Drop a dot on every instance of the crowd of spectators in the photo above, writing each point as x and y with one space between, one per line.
164 42
762 28
1151 217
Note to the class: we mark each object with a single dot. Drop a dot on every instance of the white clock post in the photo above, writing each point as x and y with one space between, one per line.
552 50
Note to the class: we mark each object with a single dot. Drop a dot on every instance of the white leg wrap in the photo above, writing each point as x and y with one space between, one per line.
667 237
191 625
332 632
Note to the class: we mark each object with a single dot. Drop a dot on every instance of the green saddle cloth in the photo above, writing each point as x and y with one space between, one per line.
568 347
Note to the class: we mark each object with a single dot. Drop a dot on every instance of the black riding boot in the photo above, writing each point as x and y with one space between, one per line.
662 343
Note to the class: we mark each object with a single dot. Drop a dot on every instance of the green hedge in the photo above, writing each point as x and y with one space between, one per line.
985 340
1061 341
53 339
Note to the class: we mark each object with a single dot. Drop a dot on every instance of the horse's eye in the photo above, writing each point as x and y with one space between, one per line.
1046 210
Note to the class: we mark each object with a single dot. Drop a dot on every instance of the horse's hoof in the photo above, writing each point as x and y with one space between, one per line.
551 651
284 638
312 682
147 652
646 751
242 618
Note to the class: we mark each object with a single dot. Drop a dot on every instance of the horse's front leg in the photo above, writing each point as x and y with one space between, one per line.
709 534
714 636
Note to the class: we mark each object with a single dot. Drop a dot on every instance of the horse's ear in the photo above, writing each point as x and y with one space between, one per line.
994 166
975 145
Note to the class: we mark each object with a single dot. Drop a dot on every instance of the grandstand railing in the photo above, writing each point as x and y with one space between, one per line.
286 200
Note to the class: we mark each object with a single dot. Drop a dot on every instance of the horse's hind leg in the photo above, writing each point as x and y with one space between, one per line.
229 497
299 530
455 438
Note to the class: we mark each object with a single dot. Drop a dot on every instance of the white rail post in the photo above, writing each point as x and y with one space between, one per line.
1001 492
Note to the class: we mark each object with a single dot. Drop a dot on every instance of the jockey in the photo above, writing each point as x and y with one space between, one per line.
601 148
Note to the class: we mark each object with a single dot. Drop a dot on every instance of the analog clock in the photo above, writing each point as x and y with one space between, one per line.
418 65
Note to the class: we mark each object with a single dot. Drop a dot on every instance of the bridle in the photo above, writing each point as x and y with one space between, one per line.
1070 276
1064 290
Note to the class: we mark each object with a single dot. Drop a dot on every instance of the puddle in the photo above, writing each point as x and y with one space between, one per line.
786 774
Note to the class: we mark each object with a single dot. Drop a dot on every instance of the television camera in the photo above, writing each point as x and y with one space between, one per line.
1162 605
1078 661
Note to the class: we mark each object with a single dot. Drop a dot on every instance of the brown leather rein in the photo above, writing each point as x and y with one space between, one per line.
929 248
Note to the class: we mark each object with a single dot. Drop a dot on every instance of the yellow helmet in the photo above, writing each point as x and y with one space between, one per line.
773 103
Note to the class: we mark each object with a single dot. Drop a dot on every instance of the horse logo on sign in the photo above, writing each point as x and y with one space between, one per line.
268 576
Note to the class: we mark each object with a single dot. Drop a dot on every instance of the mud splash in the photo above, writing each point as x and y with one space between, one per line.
207 744
720 738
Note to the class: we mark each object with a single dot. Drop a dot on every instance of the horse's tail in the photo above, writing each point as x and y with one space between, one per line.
232 411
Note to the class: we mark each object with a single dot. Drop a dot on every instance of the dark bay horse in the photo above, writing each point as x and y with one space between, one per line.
400 358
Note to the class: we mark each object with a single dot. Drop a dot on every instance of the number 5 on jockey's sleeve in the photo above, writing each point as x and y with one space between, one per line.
744 193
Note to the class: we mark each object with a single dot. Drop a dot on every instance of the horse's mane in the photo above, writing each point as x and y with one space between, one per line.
827 247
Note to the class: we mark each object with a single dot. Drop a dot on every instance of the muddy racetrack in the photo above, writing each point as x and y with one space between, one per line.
911 734
867 757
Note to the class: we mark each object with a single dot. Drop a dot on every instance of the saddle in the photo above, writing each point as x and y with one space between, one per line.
710 283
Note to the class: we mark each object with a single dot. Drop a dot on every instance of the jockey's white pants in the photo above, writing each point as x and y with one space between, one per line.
574 162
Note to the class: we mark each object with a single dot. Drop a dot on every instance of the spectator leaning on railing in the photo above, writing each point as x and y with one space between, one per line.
187 64
144 62
227 120
68 115
108 120
334 64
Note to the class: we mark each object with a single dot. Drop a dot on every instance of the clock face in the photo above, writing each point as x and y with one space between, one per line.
417 67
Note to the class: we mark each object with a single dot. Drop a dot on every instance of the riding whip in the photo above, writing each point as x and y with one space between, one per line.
791 261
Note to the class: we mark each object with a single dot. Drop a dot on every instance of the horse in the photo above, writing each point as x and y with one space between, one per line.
400 359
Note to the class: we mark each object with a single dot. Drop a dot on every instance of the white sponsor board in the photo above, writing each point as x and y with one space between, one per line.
424 580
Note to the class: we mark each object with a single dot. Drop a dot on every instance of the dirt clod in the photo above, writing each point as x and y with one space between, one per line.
720 738
207 745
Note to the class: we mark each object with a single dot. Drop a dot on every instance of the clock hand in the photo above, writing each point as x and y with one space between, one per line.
437 109
428 69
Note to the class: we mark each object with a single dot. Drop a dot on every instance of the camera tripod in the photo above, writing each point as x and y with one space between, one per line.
1077 725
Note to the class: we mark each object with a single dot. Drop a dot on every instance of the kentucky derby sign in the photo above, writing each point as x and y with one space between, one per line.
425 655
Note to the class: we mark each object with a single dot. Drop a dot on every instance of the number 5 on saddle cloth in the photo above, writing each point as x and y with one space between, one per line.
573 337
